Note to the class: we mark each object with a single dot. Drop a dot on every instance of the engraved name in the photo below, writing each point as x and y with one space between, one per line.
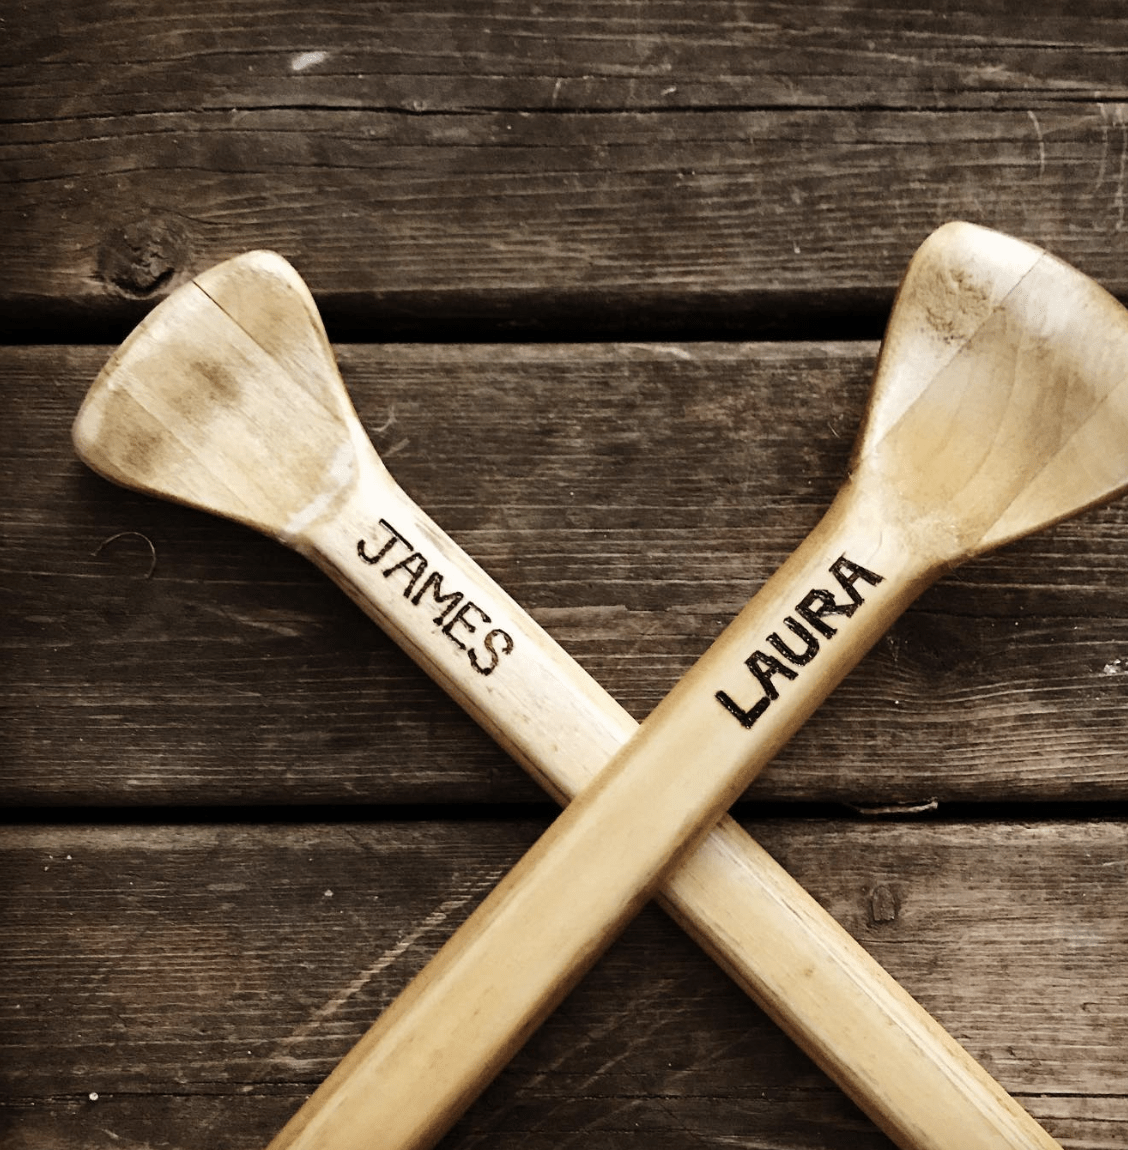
459 619
814 609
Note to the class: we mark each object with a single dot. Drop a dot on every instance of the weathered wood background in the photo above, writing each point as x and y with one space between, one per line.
238 818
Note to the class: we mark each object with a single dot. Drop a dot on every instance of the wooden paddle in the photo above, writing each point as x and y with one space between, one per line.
148 424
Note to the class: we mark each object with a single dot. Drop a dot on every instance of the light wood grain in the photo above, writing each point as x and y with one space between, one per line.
201 981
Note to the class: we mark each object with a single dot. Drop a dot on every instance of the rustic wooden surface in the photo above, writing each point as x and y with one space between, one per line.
633 497
621 167
207 976
217 738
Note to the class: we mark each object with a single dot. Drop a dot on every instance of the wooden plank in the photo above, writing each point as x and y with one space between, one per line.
574 55
206 977
582 170
541 222
632 496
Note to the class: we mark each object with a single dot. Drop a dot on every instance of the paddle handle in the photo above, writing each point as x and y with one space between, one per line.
860 1026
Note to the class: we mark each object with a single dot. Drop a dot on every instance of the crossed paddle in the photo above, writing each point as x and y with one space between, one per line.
999 406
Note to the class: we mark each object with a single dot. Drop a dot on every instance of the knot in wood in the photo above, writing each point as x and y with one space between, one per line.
884 905
144 256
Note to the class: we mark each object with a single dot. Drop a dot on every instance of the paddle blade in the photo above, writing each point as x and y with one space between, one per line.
1000 402
227 398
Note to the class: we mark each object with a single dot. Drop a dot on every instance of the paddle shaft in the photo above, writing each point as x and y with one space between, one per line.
443 1039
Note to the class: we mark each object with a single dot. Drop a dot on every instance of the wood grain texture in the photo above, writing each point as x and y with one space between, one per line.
999 407
633 497
201 979
644 170
576 55
686 167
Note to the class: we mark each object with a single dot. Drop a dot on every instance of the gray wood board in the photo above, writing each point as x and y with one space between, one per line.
581 169
200 980
633 497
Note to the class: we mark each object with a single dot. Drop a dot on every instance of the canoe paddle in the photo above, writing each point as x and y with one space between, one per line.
950 464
